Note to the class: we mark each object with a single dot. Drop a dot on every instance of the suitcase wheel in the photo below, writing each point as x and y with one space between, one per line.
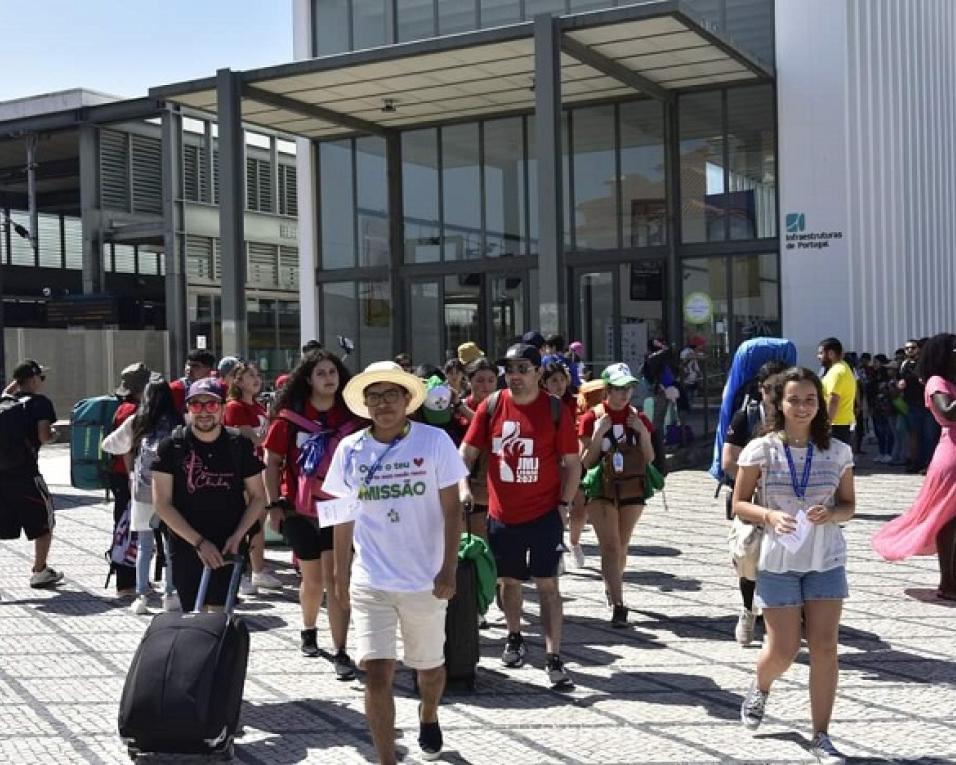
133 753
227 753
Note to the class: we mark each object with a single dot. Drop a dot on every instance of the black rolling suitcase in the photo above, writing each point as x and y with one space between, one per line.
461 629
183 691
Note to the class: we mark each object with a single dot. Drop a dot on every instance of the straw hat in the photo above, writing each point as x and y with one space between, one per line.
379 372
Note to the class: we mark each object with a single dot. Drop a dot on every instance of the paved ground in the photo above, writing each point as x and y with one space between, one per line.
668 691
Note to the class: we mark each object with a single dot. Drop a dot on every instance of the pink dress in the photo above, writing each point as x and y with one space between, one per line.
914 532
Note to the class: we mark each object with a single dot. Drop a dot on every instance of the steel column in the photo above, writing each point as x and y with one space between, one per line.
231 211
32 140
547 110
396 236
672 310
90 217
177 325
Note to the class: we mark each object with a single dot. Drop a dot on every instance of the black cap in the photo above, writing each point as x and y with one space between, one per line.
534 338
520 351
26 369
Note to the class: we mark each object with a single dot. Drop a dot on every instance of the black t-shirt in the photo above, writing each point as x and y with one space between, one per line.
206 489
739 431
913 392
40 408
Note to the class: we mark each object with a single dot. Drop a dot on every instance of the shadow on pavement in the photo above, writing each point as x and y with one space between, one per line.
263 622
72 603
929 597
662 581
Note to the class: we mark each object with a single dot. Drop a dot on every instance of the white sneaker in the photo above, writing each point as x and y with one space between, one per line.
247 586
577 555
266 580
139 606
171 603
45 578
823 749
744 632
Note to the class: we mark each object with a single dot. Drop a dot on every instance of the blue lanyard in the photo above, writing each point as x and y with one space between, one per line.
800 489
381 458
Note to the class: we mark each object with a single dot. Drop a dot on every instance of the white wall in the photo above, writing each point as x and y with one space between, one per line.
867 124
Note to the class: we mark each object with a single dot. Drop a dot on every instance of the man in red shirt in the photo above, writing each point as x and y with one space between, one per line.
533 471
199 364
133 381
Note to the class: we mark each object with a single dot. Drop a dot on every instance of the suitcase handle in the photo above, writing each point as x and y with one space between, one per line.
237 561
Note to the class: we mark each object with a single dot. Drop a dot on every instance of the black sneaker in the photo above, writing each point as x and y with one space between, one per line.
515 650
344 669
619 617
429 738
309 646
557 675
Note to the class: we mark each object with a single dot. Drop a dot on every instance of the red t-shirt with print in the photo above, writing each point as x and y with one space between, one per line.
618 417
239 414
524 452
280 440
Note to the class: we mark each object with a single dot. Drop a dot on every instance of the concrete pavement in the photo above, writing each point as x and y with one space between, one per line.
666 691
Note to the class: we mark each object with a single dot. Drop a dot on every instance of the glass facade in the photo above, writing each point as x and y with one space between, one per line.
362 312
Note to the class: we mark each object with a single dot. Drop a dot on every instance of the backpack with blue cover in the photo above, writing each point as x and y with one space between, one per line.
16 427
91 422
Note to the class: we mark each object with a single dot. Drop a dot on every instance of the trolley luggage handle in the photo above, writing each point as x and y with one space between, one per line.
237 561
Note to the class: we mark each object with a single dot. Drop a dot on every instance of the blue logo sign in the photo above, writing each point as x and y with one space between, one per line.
796 222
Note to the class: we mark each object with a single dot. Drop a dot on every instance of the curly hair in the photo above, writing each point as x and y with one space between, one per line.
820 424
235 392
298 389
936 357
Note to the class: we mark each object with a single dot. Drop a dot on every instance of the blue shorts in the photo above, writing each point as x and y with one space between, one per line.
797 587
524 550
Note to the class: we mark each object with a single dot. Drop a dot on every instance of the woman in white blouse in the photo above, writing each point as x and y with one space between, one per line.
803 480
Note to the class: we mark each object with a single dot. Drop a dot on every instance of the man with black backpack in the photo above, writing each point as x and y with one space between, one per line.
200 481
26 423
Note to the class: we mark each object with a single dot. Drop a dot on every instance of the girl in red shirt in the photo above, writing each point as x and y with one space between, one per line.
310 413
614 420
483 381
250 418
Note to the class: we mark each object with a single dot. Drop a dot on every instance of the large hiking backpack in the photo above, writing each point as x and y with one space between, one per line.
92 421
16 424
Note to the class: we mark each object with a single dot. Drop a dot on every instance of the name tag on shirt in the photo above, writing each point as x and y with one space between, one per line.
332 512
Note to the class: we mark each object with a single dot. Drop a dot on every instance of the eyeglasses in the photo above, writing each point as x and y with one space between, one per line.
390 396
519 369
195 407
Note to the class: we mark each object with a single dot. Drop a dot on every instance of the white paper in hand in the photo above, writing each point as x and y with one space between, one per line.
795 539
332 512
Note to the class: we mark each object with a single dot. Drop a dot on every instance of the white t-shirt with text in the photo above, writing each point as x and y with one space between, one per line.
399 531
825 547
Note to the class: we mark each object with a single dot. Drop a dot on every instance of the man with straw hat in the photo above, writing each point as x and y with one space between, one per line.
400 480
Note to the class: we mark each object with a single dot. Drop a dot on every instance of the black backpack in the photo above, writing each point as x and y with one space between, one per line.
17 429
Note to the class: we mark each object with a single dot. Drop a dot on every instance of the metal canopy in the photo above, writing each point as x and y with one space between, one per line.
653 48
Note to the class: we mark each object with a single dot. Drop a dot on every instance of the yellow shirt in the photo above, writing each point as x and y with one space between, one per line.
839 379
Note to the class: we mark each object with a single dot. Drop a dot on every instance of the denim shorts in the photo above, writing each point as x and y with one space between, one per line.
795 588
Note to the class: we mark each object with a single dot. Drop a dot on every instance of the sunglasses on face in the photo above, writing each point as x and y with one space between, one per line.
391 396
195 407
519 369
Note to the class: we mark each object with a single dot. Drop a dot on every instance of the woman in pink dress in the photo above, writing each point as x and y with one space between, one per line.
930 524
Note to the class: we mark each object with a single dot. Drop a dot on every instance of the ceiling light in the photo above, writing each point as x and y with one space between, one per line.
388 105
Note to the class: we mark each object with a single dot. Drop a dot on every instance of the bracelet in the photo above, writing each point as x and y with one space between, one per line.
199 544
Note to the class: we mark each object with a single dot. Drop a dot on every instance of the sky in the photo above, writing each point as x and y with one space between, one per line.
124 47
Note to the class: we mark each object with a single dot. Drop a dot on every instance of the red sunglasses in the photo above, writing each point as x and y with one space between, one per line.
195 407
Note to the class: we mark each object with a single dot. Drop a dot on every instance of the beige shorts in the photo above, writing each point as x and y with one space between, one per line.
377 613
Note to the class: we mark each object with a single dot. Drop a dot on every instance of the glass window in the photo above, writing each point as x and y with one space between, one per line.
369 26
416 19
533 183
420 196
456 16
507 296
288 311
495 13
752 199
261 323
756 288
374 340
701 167
371 178
49 241
749 23
533 7
331 24
643 174
461 192
595 186
462 313
425 321
338 211
504 188
339 315
73 235
200 320
21 249
596 318
642 308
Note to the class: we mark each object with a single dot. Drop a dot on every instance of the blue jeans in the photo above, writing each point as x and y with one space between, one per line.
921 423
883 428
901 435
144 558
